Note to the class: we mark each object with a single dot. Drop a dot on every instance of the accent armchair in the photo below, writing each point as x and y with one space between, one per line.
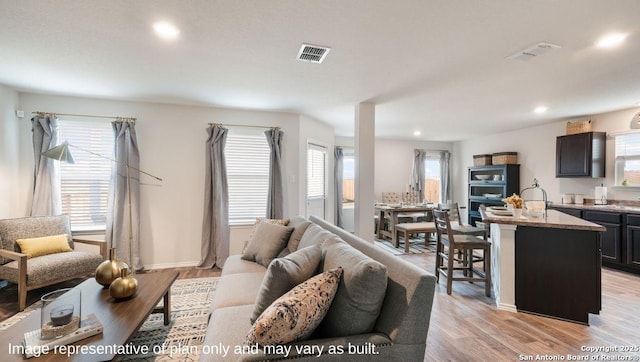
30 271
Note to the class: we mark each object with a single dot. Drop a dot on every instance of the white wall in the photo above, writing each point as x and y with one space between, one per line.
536 149
171 139
10 205
394 163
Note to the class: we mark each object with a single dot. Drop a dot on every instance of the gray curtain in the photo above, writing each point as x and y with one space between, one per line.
338 172
123 222
215 223
46 186
445 176
275 199
418 172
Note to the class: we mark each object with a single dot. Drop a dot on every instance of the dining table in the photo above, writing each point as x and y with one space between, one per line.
393 212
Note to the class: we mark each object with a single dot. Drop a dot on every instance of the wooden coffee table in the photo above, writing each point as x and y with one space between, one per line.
120 319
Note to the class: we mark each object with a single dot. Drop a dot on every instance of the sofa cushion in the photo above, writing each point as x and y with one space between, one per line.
299 225
313 235
236 289
284 274
236 265
51 267
44 245
295 315
361 293
267 242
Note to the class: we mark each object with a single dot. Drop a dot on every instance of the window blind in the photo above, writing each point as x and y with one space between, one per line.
247 160
628 145
316 168
85 184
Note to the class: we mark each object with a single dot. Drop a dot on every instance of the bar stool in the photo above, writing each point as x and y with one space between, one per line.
448 243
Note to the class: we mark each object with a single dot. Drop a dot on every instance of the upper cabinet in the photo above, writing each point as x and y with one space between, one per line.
581 155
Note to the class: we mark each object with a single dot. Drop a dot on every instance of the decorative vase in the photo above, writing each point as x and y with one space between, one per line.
125 286
517 213
110 269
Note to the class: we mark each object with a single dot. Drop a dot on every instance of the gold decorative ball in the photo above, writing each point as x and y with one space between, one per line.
124 287
108 271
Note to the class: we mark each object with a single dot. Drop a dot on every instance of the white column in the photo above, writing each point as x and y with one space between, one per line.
503 265
365 167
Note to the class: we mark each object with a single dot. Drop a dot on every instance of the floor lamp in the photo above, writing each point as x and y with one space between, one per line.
62 153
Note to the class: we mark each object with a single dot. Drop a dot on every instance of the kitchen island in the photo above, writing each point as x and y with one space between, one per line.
549 265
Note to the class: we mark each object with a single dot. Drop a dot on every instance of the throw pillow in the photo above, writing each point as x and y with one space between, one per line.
259 220
363 287
295 315
299 225
267 242
45 245
284 274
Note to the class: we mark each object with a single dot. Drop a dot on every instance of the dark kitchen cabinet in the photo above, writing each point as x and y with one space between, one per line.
488 185
569 211
581 155
631 252
612 237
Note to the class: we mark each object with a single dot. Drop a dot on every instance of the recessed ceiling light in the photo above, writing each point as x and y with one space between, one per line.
541 109
417 133
611 40
166 30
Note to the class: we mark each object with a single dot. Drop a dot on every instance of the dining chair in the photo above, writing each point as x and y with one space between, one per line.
448 242
459 227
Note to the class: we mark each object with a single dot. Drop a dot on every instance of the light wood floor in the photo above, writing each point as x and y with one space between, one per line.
466 326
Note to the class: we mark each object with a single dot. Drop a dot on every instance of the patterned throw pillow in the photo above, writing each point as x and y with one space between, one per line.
295 315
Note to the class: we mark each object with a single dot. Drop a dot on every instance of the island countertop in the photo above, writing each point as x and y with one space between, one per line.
554 219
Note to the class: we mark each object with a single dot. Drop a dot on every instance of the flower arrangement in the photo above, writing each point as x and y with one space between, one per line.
515 201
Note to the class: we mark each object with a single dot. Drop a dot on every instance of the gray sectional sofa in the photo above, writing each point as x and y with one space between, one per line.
399 332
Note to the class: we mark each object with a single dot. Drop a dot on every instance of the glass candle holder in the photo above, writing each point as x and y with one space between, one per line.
60 314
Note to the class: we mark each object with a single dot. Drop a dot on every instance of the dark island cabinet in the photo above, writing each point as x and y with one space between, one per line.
632 250
612 237
581 155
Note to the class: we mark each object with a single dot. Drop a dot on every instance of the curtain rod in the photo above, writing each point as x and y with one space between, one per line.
124 119
242 125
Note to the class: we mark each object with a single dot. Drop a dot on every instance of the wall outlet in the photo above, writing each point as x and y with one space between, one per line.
20 114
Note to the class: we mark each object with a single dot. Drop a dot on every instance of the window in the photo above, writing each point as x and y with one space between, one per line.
432 179
316 180
247 159
84 185
627 165
348 177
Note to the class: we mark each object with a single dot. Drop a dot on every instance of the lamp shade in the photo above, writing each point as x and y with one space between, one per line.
60 153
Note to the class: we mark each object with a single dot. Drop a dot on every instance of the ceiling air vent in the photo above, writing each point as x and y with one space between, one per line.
533 51
312 53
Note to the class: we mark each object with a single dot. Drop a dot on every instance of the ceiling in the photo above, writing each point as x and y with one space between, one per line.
437 66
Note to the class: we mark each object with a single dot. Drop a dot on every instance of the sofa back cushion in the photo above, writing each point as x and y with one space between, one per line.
360 295
32 227
268 241
314 235
285 273
299 225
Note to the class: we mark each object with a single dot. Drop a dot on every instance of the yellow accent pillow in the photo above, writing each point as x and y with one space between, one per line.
44 245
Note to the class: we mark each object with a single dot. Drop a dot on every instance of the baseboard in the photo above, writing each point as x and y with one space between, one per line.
171 265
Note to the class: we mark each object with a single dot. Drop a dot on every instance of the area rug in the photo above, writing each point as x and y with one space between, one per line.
416 246
182 338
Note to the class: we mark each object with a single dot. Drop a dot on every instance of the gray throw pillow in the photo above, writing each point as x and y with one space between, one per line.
360 295
285 273
299 224
267 242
